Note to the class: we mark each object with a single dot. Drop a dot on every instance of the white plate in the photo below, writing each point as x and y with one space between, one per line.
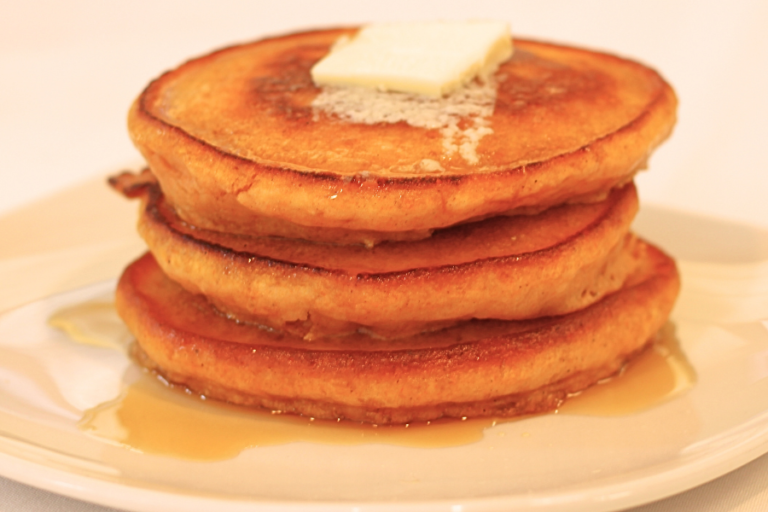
551 462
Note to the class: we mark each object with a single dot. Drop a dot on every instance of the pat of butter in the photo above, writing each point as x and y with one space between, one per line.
431 58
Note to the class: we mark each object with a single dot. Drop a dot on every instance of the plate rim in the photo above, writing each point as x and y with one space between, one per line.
665 482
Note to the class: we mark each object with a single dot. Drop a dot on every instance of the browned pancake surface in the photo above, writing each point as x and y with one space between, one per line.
477 368
233 139
518 267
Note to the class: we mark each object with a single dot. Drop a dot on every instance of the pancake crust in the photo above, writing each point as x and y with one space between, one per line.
510 268
477 368
233 139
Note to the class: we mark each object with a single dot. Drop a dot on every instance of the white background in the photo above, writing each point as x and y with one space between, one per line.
69 70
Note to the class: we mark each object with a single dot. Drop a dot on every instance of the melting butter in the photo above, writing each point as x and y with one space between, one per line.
461 118
422 74
428 58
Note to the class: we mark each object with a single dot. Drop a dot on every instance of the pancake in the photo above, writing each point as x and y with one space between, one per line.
478 368
237 145
387 257
510 268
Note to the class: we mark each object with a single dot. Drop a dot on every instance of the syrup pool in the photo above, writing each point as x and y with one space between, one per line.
153 416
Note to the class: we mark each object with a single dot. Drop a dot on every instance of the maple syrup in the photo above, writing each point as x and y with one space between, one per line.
156 417
153 416
657 374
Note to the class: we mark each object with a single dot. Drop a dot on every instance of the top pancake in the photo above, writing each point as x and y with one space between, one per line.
233 138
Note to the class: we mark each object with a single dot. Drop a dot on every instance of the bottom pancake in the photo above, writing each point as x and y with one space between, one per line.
478 368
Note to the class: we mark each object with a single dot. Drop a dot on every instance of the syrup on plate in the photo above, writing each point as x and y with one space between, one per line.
153 416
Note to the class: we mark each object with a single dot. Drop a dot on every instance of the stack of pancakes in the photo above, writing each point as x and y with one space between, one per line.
313 261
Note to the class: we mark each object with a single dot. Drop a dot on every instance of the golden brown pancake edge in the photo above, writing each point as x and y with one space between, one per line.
213 187
576 255
531 368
